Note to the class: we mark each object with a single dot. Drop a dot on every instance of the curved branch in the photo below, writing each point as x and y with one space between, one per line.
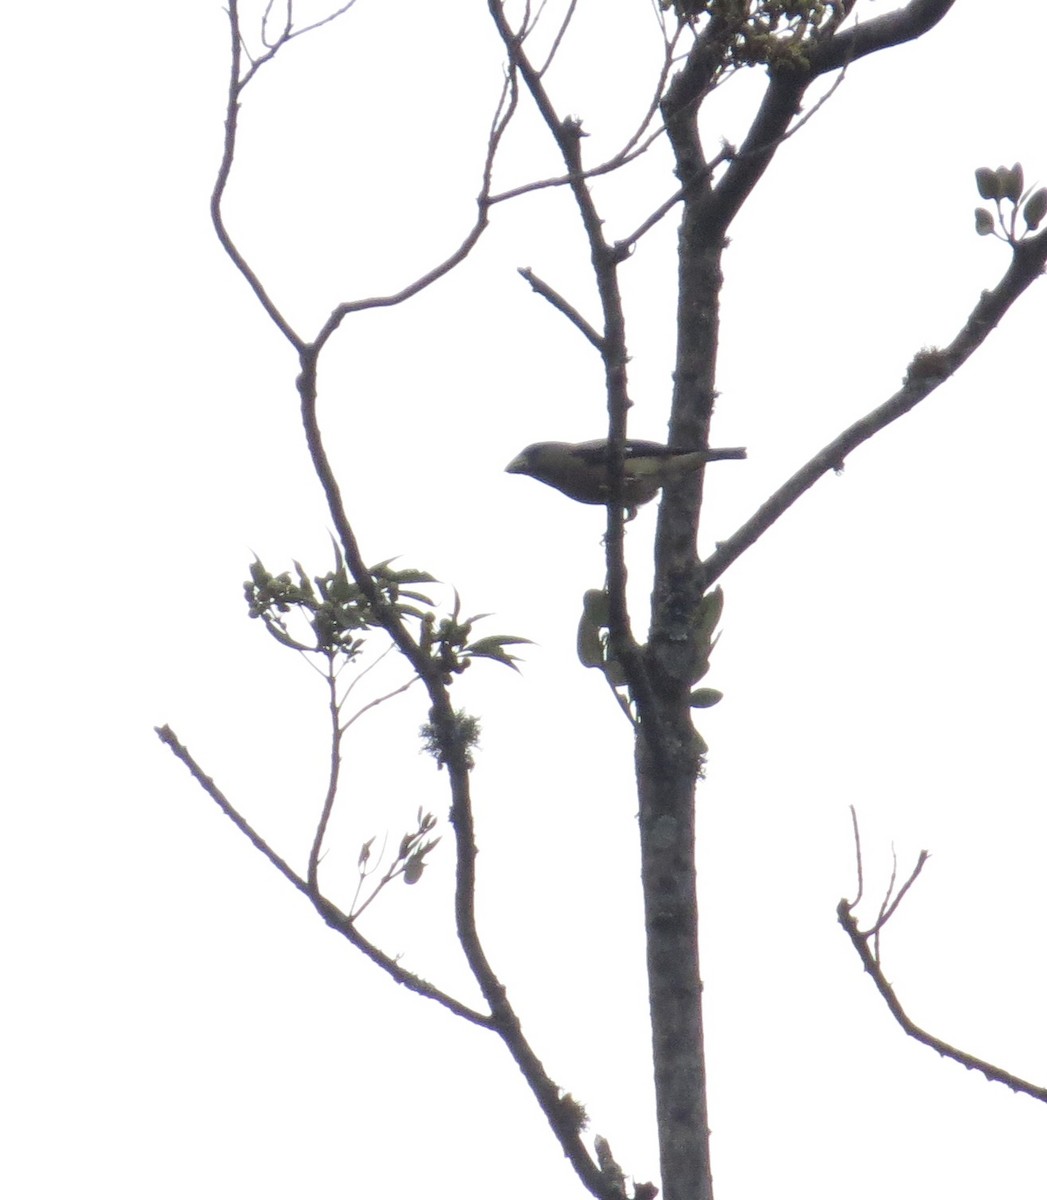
500 122
927 371
786 88
880 33
781 102
860 941
232 112
457 256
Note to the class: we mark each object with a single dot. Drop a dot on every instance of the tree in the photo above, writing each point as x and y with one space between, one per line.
657 682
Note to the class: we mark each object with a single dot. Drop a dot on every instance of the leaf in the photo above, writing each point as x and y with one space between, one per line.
710 609
983 222
596 605
494 647
989 187
705 697
590 643
1035 208
1012 182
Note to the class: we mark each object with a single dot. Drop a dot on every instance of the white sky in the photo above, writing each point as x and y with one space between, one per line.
178 1022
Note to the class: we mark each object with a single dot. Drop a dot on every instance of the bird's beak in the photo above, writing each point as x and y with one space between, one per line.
518 466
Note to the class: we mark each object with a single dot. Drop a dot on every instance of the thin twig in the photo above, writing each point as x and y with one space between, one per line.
857 856
605 168
379 700
323 21
333 773
561 305
559 37
726 154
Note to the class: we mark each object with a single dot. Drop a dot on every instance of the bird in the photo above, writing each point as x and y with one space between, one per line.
582 470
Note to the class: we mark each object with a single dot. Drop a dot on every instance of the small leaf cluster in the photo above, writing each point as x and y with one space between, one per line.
336 609
339 614
448 642
595 647
410 857
1004 186
410 860
772 33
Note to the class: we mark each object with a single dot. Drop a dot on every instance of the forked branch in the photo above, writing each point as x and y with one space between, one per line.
866 943
334 917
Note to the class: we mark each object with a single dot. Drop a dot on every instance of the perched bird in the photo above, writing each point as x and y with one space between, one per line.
582 470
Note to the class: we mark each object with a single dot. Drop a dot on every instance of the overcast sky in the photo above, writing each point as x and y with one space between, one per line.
178 1021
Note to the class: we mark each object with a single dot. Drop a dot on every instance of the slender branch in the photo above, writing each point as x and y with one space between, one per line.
330 913
379 700
927 371
323 20
858 855
635 146
860 941
232 112
870 957
627 243
561 305
560 34
621 159
333 772
503 115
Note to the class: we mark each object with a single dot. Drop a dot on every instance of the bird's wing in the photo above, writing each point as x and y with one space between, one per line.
598 452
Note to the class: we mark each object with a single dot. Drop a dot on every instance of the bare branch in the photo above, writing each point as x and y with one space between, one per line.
927 371
621 159
857 857
379 700
994 1074
333 772
560 33
892 907
284 33
635 146
504 111
870 956
228 153
627 243
561 305
323 21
